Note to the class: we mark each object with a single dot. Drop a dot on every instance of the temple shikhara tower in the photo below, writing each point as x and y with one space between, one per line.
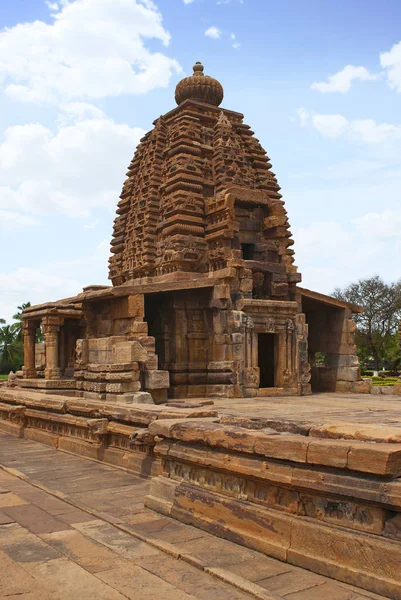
205 299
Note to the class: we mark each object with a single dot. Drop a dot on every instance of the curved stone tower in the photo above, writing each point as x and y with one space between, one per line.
201 197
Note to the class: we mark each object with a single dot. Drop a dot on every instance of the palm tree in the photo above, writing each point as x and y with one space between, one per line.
10 349
17 327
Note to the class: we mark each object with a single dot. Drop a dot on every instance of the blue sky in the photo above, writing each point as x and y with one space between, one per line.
74 103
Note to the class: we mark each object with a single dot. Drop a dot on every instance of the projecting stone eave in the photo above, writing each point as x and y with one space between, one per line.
355 308
146 285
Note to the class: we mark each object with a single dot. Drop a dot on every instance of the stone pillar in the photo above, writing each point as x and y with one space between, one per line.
62 353
29 331
51 327
289 379
251 370
280 356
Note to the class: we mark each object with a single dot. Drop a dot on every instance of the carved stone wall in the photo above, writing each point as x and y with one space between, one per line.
116 360
199 186
329 505
97 429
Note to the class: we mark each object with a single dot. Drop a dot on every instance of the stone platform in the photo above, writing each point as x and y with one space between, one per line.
319 408
110 432
313 482
73 528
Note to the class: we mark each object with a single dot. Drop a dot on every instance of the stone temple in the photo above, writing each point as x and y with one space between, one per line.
205 300
170 371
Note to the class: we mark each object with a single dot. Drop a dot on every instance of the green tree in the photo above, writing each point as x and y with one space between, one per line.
11 350
18 318
17 326
377 326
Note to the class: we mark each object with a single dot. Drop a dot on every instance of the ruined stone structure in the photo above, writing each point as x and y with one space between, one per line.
205 303
205 299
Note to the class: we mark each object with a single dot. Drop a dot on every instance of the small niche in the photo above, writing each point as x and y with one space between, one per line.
248 251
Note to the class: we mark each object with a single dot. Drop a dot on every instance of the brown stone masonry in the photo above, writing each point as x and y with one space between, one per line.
109 432
204 300
329 505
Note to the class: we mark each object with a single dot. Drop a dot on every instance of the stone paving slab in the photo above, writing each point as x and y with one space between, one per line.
318 409
60 541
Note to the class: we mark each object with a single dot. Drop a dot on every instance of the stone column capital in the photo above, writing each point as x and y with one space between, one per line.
29 327
51 324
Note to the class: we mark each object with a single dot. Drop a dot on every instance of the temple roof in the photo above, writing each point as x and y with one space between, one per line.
199 87
201 197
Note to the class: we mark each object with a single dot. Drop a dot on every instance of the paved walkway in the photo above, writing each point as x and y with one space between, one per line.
318 408
72 528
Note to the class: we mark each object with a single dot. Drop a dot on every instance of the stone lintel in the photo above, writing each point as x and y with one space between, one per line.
68 384
252 305
42 311
334 302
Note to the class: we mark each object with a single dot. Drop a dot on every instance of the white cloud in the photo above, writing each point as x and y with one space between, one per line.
45 282
382 226
391 61
92 224
79 111
51 5
72 170
303 115
352 169
331 255
372 133
341 81
365 130
330 125
15 220
188 1
93 49
213 32
233 38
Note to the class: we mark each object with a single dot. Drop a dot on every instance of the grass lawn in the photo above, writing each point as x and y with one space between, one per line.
384 380
3 377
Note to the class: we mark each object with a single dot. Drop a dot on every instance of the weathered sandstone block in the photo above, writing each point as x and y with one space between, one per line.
156 380
127 352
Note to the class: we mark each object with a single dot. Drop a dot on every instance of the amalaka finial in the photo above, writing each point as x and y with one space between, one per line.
199 87
198 68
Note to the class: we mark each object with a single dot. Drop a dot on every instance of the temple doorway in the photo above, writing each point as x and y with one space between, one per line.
266 359
157 313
